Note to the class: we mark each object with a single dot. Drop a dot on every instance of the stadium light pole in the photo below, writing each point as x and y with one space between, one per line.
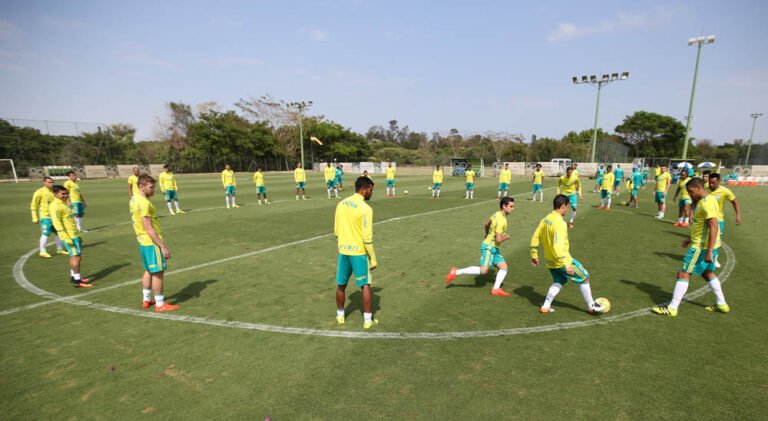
754 116
593 80
699 42
301 106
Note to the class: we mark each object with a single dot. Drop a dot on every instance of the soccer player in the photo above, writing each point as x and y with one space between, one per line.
703 246
62 218
390 180
662 185
570 186
505 177
365 174
618 179
469 177
340 177
230 183
646 170
154 252
599 178
638 180
330 177
169 188
575 167
684 205
300 177
41 214
261 189
606 187
437 181
538 182
132 180
490 255
552 235
353 227
722 193
76 199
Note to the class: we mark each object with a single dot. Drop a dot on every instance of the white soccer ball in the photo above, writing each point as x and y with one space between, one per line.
429 187
406 192
604 303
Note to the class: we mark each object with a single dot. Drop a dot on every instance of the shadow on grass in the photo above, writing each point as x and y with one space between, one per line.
537 299
654 292
106 272
93 244
679 233
356 301
480 281
190 291
673 256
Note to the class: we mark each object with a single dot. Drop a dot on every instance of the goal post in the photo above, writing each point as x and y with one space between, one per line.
5 172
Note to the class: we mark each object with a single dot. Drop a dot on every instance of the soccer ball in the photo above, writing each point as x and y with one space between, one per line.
406 192
603 302
429 187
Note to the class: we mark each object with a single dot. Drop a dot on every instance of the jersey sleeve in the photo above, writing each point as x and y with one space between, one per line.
535 241
34 206
729 196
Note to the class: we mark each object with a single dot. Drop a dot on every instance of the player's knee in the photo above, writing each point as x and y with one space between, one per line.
483 270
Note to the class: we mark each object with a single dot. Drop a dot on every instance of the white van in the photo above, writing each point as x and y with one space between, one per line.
561 164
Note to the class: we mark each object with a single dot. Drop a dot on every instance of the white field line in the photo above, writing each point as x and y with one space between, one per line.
23 282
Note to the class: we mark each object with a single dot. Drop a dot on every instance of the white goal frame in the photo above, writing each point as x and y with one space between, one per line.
13 169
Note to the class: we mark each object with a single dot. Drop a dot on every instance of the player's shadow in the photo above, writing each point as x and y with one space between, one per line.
480 281
655 292
93 244
103 273
673 256
537 299
190 291
679 233
356 301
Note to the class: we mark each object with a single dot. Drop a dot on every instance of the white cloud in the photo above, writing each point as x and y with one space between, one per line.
8 30
623 21
318 35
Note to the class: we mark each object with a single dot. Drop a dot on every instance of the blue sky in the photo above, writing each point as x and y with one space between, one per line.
432 65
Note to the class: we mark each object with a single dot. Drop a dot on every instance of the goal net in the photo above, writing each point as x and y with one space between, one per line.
8 171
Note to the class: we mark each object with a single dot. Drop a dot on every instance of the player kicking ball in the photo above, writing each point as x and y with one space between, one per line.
490 255
552 235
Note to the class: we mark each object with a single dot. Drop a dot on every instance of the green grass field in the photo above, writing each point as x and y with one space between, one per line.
256 335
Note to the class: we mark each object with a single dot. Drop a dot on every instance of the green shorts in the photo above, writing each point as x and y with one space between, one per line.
490 255
78 209
574 199
503 186
694 263
536 187
261 189
470 186
330 184
616 183
170 195
300 185
76 248
634 193
390 183
46 226
349 265
561 276
152 258
599 181
230 190
436 186
684 202
604 194
661 197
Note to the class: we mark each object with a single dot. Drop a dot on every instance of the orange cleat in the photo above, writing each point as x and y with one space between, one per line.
81 285
601 207
166 307
677 224
498 292
84 280
451 276
545 310
147 304
684 224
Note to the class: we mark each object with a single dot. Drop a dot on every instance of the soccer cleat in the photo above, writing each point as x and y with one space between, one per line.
717 264
45 255
147 304
84 280
81 285
228 206
235 206
601 207
570 225
451 276
166 307
369 323
498 292
545 310
180 211
677 224
173 213
664 311
596 309
340 320
684 224
62 252
718 308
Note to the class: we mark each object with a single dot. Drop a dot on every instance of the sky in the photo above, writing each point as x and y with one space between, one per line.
477 66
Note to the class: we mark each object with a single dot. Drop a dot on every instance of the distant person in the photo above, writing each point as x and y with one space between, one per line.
662 186
229 181
261 188
570 186
618 173
599 178
685 203
721 194
538 183
575 167
469 178
437 181
606 188
638 181
76 199
63 221
340 177
330 179
390 180
300 178
132 180
170 190
41 214
505 178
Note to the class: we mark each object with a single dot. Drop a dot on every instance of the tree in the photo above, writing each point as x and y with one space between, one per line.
280 118
651 134
174 128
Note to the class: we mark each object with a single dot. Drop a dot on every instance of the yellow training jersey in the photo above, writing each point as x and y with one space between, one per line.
498 226
74 191
141 207
662 180
41 202
228 178
505 176
607 183
299 176
353 225
258 178
707 208
133 181
470 175
390 173
569 185
330 173
552 235
721 195
681 188
167 181
538 176
575 172
437 176
63 220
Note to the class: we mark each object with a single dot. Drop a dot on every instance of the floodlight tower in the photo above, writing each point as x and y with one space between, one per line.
301 106
593 80
699 42
754 116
